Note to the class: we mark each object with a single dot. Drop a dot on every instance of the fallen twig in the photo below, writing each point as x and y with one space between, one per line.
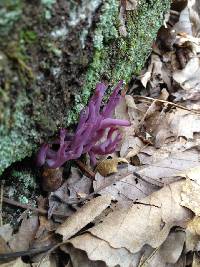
85 170
28 207
30 252
167 102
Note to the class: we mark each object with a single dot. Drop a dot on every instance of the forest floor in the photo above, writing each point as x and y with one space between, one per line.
140 205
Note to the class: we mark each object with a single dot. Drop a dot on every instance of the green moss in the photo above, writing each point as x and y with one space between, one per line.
116 57
28 36
25 178
10 12
48 4
18 142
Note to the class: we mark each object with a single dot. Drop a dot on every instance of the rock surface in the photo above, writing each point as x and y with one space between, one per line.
52 54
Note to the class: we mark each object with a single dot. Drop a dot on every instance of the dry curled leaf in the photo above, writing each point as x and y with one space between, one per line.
191 196
119 238
163 166
24 237
124 186
83 216
168 253
16 263
109 166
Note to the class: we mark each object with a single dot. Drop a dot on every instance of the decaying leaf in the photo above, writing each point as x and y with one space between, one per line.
154 217
24 237
6 231
189 77
191 196
124 232
109 166
168 253
124 187
75 186
99 253
4 248
83 216
163 166
131 147
16 263
196 261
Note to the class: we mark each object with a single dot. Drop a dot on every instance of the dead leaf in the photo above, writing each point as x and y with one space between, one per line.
83 216
122 187
189 77
154 217
191 196
6 231
163 166
99 252
168 253
196 261
131 147
16 263
76 185
49 261
23 239
184 23
4 248
194 225
124 232
110 166
192 174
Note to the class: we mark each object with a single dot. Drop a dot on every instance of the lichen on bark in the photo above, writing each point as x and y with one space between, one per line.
57 52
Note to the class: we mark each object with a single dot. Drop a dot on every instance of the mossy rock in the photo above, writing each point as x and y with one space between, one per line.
57 52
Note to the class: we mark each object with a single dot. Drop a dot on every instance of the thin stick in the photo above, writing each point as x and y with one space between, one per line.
167 102
30 252
84 168
24 206
28 207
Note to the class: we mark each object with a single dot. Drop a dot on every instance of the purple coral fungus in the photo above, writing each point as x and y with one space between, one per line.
93 125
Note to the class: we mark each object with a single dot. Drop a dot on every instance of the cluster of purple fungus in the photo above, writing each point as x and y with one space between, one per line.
94 125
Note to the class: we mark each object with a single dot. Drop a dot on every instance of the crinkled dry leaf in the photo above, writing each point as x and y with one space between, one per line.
99 252
75 186
162 166
154 218
191 196
169 251
131 147
122 187
4 248
177 123
196 261
109 166
83 216
194 225
184 23
119 238
16 263
192 174
25 236
189 77
49 261
126 231
156 74
6 231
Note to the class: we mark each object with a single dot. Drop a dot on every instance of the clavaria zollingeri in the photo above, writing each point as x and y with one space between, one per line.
94 125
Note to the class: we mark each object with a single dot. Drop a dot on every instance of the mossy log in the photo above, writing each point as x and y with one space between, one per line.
53 52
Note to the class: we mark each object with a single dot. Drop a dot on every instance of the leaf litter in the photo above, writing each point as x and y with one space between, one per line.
140 205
